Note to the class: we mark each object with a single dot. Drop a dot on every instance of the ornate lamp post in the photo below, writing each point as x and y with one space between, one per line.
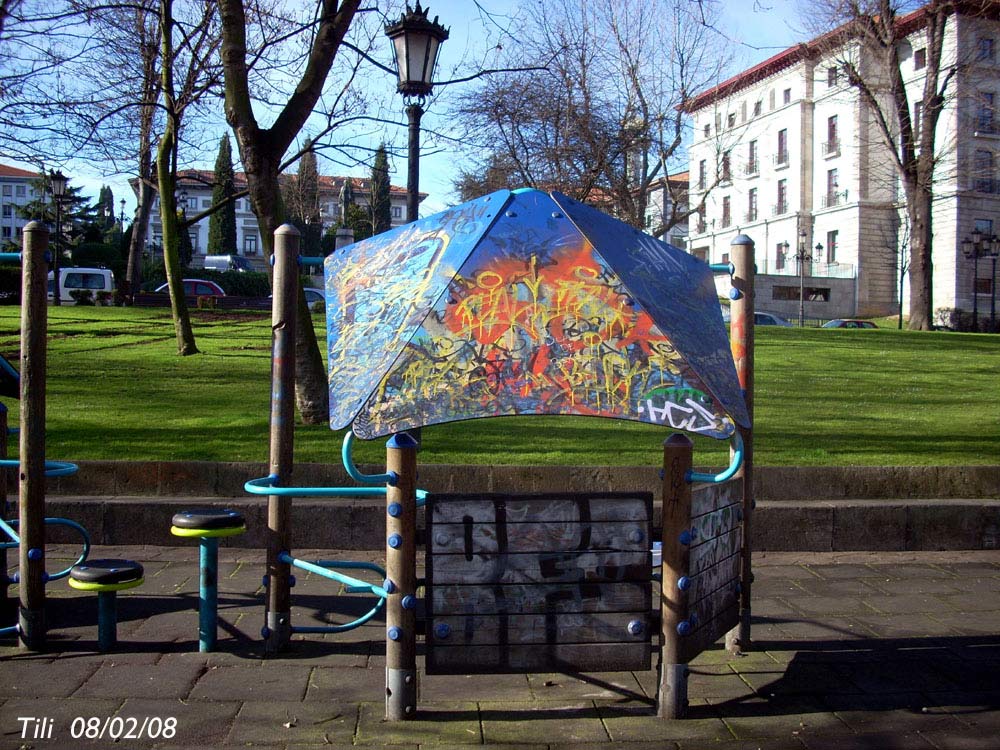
978 247
416 41
121 216
57 184
802 256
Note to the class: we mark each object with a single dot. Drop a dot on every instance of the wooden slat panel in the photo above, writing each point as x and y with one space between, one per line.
706 555
710 579
540 598
715 524
473 538
607 657
712 604
549 508
708 633
706 498
553 628
543 567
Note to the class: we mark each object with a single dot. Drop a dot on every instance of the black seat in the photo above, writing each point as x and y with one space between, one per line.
208 518
106 572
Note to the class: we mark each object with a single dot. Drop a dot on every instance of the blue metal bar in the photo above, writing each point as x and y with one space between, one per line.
9 531
346 452
734 465
322 568
266 486
9 630
107 620
311 260
52 468
208 594
10 257
723 268
9 526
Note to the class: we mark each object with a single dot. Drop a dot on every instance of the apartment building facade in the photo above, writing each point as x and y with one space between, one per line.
662 197
194 195
16 191
788 153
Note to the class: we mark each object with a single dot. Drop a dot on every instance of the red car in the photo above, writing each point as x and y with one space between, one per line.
198 288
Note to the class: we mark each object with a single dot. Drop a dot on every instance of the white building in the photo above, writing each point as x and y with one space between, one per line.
663 194
792 158
16 191
194 189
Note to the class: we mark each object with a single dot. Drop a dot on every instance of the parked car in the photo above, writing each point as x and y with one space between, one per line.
227 263
769 319
848 323
197 288
314 297
94 280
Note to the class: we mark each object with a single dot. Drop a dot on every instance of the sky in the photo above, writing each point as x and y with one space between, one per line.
757 28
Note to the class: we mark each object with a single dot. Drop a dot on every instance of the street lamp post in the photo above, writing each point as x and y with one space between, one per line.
802 256
57 184
982 246
121 216
416 41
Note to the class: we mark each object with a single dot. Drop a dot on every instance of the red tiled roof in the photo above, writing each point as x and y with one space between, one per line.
791 56
6 171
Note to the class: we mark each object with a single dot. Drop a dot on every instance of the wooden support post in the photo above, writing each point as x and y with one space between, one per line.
677 461
401 580
742 342
7 606
34 329
278 625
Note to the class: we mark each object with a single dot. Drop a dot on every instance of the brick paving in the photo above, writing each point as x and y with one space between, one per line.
850 650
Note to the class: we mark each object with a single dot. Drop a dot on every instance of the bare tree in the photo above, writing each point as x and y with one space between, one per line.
605 120
869 40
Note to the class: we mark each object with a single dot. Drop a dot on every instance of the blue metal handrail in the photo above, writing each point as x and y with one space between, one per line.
347 456
52 468
734 465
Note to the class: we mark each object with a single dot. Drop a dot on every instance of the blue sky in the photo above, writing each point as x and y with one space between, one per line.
758 29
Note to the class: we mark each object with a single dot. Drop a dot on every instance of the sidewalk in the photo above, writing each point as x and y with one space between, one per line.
851 650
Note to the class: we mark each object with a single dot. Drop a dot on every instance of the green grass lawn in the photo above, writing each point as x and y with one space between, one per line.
116 390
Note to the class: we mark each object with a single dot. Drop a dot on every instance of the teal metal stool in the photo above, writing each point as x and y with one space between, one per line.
107 577
208 525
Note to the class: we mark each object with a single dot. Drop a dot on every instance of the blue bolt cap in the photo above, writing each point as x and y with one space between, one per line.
265 632
442 630
683 627
263 581
291 581
34 554
735 294
395 510
395 541
409 602
389 586
685 537
636 536
394 633
683 583
635 627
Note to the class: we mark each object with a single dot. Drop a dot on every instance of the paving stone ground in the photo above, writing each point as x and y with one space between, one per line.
850 650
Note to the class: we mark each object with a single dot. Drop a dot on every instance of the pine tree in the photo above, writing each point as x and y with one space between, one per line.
222 224
380 202
302 202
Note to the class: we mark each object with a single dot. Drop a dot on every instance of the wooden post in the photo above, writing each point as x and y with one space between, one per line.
278 625
677 460
401 580
741 332
6 604
34 329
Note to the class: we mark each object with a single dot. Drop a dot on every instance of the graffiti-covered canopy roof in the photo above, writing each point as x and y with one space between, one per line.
525 303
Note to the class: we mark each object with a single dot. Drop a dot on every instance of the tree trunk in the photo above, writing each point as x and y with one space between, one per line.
140 224
921 267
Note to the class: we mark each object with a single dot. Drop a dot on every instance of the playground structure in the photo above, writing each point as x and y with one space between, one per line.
27 532
513 304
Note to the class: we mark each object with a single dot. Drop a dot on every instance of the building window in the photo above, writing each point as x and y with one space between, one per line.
831 246
786 96
982 170
731 120
700 225
752 166
702 174
832 187
782 205
19 191
986 52
920 59
752 205
194 240
708 130
250 244
832 145
8 211
831 76
727 216
782 156
701 253
984 117
779 256
397 212
727 172
7 191
758 106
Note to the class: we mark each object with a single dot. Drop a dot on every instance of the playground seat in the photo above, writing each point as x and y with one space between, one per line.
107 577
208 525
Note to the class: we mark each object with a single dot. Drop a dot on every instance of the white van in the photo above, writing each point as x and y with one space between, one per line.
227 263
95 280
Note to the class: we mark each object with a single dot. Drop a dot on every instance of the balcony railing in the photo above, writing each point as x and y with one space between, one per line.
701 227
781 158
779 208
816 270
831 147
727 221
835 198
750 215
751 168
